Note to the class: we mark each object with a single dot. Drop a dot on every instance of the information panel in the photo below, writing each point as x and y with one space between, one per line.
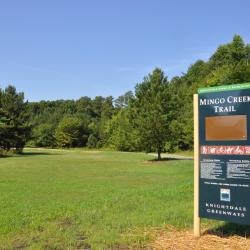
224 157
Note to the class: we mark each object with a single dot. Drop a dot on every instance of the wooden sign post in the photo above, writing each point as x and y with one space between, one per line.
196 168
222 154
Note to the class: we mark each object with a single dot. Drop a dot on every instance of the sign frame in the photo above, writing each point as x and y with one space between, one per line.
224 194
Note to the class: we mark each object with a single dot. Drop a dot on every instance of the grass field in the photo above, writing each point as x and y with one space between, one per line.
73 199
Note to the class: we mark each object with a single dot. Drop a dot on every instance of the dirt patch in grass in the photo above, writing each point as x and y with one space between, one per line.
185 240
19 244
65 223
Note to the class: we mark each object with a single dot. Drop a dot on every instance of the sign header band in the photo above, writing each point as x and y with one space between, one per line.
224 88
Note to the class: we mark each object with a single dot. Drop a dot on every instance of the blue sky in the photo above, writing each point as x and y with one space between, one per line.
58 49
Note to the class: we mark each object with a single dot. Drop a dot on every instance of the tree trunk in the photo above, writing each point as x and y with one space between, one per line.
159 154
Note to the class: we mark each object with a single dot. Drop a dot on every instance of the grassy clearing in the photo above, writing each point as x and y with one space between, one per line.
185 153
52 199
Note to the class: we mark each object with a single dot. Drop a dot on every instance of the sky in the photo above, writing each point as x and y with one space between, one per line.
65 49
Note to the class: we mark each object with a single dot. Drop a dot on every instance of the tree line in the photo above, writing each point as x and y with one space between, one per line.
157 116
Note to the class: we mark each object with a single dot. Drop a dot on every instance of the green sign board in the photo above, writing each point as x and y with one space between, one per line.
224 153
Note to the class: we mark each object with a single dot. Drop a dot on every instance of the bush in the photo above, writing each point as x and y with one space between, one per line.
92 141
5 153
71 133
44 136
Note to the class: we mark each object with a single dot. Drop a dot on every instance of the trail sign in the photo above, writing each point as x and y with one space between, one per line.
222 154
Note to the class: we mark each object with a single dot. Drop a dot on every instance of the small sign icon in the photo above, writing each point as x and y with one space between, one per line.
225 194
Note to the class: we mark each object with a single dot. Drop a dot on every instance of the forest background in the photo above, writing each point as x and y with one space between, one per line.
157 116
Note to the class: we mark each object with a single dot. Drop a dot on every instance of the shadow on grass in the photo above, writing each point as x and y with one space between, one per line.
5 156
229 229
26 154
169 159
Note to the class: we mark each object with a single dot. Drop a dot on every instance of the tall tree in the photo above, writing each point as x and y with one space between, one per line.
152 111
14 129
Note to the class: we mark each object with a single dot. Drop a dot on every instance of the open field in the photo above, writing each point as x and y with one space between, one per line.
73 199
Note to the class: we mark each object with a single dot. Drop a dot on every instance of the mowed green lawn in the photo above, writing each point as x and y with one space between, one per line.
75 199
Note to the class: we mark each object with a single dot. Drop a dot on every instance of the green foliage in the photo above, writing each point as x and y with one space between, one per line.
44 135
228 65
159 117
92 141
152 111
14 129
70 133
92 113
120 134
229 54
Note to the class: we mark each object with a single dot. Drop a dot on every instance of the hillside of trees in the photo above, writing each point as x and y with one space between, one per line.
156 116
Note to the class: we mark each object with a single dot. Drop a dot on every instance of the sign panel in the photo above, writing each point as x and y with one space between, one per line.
224 153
